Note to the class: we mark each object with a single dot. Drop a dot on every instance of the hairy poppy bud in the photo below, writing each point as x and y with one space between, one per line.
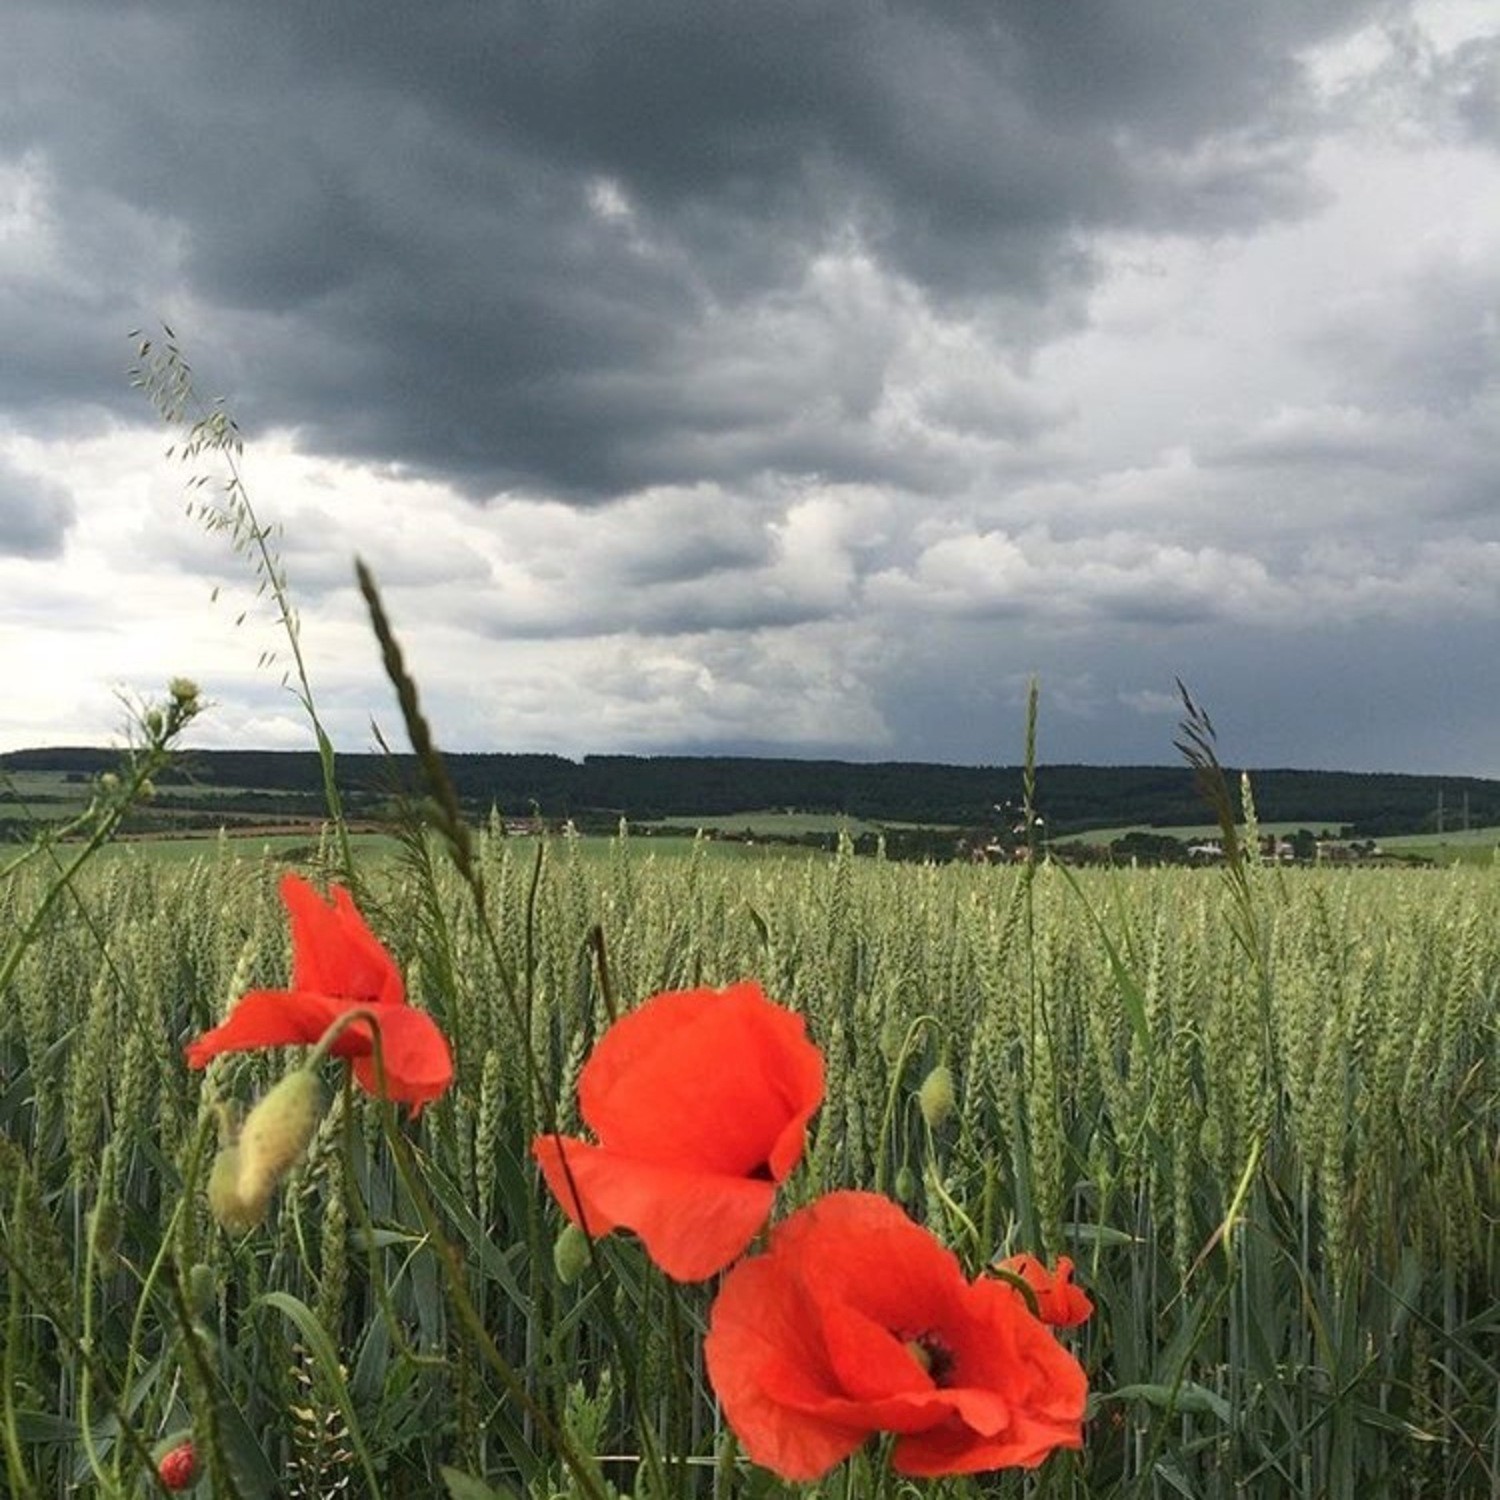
906 1184
230 1208
935 1097
570 1254
276 1133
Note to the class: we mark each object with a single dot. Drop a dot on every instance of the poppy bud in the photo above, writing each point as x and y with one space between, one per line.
906 1184
230 1208
935 1097
276 1133
179 1466
571 1254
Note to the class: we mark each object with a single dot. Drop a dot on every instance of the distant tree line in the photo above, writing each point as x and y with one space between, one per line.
600 789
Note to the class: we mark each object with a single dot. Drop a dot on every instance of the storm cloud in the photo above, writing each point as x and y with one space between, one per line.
803 375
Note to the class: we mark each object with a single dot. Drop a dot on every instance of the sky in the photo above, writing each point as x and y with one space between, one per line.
777 379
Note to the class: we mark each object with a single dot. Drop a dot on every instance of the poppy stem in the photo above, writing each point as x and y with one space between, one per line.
342 1024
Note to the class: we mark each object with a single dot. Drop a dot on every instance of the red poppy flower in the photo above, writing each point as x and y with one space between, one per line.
338 965
857 1321
700 1101
1058 1301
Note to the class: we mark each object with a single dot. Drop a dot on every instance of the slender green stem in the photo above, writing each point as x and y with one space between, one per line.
85 1420
15 1461
81 1351
463 1304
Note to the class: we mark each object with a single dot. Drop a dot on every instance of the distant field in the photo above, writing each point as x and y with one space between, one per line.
47 796
770 823
299 848
1189 833
294 847
765 823
1475 846
50 796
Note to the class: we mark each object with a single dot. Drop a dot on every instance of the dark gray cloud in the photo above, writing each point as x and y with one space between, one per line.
525 246
1367 696
35 513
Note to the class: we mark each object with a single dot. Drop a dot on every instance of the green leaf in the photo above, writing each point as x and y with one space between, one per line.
1188 1397
1099 1234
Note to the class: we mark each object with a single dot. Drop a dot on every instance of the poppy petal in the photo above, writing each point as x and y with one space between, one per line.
267 1018
855 1321
643 1090
692 1223
333 949
1058 1301
418 1065
770 1371
957 1447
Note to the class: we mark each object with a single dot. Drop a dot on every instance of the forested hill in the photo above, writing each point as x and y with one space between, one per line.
684 787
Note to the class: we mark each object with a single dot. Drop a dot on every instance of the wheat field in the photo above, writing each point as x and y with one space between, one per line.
1261 1117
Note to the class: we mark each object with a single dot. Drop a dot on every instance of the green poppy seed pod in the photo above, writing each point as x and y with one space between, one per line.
570 1254
935 1098
230 1208
277 1131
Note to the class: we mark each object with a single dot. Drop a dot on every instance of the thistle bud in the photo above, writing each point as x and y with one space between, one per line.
935 1097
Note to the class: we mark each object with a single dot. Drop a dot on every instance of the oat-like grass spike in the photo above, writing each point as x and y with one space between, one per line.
450 818
223 507
1198 747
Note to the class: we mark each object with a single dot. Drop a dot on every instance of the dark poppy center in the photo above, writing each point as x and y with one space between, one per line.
933 1355
761 1172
